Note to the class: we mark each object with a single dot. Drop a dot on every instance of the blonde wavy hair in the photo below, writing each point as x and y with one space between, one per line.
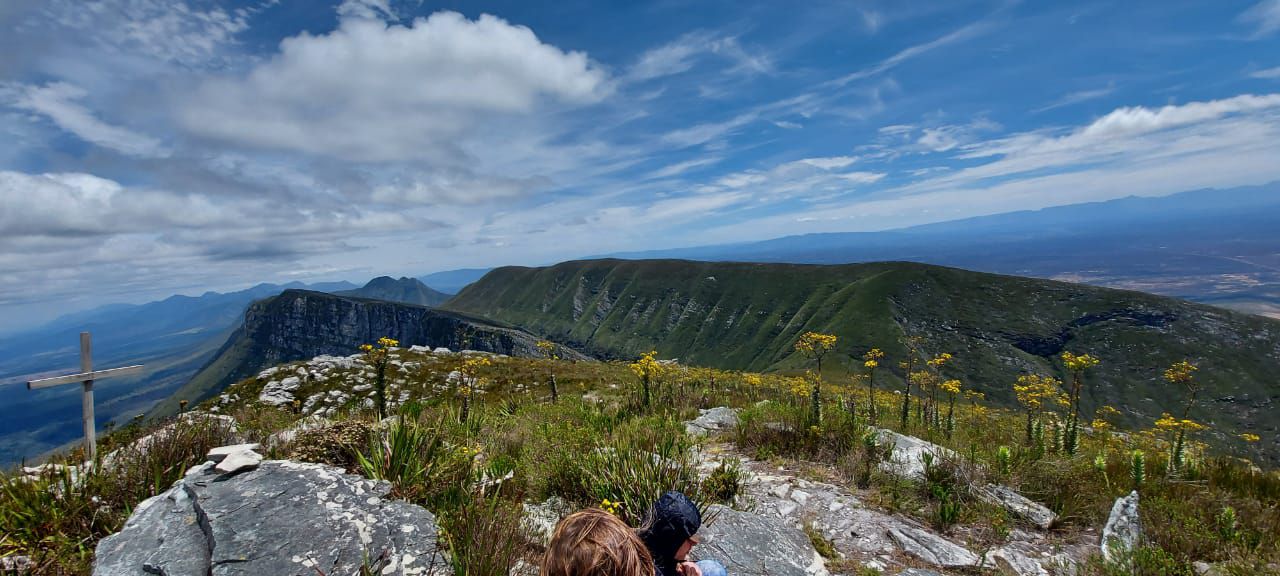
593 542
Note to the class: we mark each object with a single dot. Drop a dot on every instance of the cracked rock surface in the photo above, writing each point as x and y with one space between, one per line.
283 517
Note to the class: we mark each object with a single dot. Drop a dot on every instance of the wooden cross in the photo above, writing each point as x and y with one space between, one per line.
86 377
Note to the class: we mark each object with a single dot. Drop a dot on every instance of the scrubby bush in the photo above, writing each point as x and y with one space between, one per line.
336 444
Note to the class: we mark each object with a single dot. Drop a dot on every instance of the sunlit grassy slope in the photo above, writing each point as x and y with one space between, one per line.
747 316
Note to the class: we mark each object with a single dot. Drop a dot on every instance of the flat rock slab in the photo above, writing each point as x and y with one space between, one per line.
238 462
1004 496
754 545
217 454
932 548
283 517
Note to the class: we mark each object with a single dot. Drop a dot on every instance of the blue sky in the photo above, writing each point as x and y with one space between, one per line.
151 147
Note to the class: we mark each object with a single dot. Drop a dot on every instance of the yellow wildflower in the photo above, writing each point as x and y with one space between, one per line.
815 344
1251 438
1180 373
1079 363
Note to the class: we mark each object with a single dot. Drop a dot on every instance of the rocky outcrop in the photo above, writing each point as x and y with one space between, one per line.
1123 531
932 548
282 517
754 545
299 324
882 540
907 458
718 419
1020 505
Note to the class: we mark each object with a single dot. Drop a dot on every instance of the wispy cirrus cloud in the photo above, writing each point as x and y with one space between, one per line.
1073 98
682 54
1263 16
60 103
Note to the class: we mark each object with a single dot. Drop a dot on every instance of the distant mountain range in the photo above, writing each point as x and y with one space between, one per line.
1214 246
748 316
405 290
453 281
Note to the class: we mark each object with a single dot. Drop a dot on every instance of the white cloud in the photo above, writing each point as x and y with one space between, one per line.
1131 151
830 162
374 92
707 132
71 233
167 30
366 9
1265 15
964 33
807 179
59 102
1076 98
682 54
1267 74
681 167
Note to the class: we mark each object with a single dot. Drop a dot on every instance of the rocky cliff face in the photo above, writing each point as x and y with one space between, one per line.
300 324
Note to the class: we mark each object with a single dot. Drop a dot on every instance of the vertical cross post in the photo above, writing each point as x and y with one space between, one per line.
85 378
86 367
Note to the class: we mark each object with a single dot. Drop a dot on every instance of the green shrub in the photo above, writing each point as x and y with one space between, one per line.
484 535
724 483
336 444
636 465
415 458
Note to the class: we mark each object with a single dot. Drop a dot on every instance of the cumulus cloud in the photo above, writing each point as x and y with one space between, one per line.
71 231
1267 74
376 92
59 101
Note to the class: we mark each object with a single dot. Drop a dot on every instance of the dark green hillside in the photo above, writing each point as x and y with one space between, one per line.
747 316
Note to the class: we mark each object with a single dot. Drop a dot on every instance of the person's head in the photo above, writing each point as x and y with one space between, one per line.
593 542
671 526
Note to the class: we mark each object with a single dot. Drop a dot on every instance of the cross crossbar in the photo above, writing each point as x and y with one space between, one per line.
78 378
85 378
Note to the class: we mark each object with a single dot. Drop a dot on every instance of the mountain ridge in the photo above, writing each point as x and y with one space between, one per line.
300 324
405 290
748 315
1212 246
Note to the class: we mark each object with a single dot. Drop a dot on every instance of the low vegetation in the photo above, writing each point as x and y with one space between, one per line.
475 449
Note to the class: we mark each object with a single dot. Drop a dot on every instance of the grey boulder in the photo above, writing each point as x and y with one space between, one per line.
711 420
283 517
753 545
907 458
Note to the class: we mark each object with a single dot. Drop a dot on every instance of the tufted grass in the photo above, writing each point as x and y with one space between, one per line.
598 442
